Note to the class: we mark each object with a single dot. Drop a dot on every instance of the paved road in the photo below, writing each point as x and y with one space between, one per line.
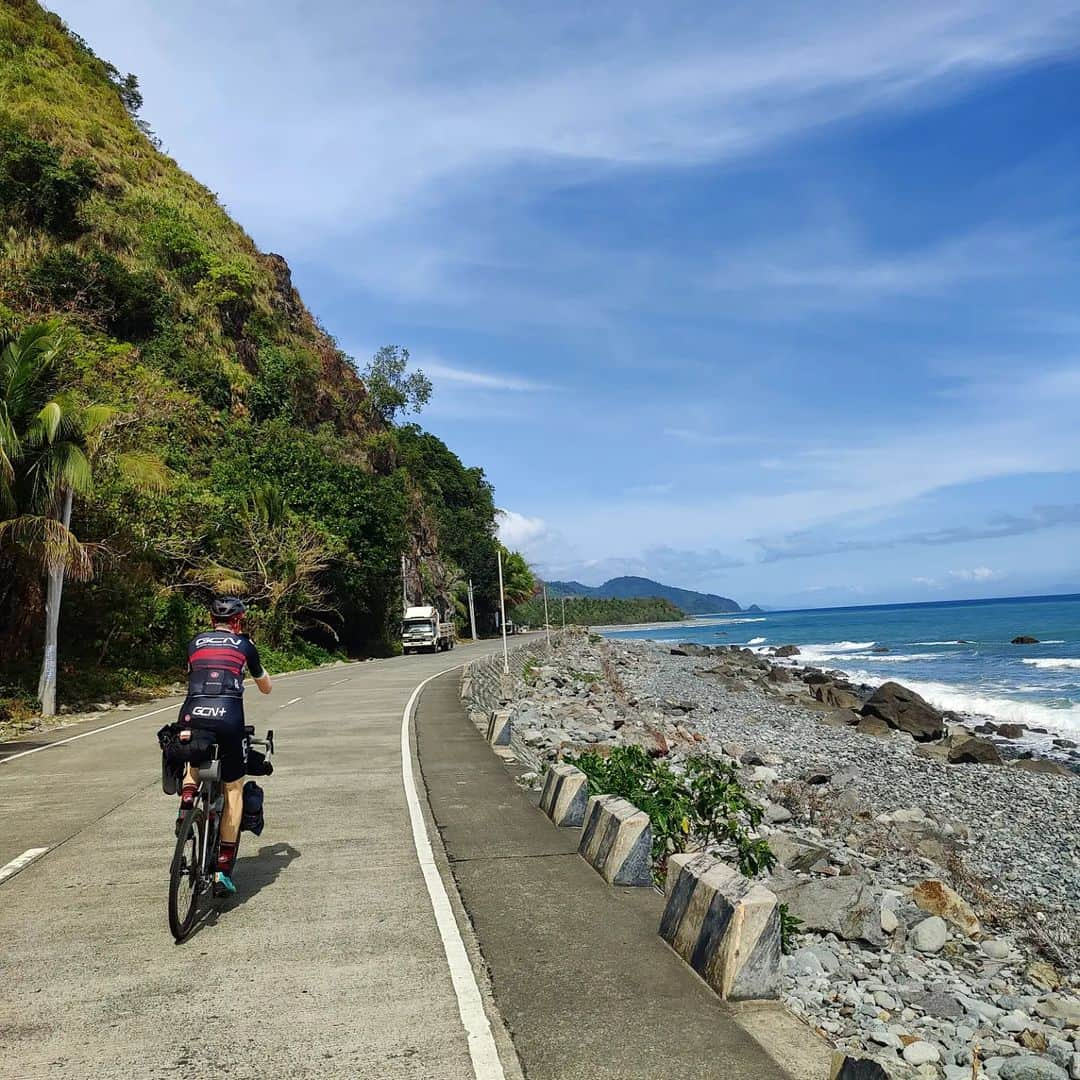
329 963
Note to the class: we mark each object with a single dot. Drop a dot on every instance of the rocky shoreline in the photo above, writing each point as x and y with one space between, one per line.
937 884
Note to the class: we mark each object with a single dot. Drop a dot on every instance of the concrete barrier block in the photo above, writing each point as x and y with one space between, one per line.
724 926
498 729
466 688
616 840
565 794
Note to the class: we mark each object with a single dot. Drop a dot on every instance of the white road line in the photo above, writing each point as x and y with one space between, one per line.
20 863
288 703
132 719
482 1050
85 734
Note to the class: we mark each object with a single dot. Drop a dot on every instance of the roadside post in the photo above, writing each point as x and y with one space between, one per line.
472 611
502 617
547 621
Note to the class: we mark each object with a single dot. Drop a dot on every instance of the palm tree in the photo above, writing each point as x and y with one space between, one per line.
518 580
51 445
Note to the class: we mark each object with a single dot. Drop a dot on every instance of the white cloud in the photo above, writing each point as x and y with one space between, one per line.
520 533
438 371
407 106
979 573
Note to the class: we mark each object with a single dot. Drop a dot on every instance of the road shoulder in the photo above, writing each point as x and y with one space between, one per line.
584 983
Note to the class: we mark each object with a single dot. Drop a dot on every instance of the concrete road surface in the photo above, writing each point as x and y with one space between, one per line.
329 962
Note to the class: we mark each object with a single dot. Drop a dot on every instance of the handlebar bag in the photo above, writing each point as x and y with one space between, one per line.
253 820
257 765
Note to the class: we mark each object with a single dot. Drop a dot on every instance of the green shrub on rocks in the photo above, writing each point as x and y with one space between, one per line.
702 807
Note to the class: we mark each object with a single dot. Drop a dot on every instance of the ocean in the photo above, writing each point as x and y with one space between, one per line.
955 654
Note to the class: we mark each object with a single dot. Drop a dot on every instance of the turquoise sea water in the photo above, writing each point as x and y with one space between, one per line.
957 654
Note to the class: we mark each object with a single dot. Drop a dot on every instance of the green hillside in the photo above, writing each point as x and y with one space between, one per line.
289 479
626 588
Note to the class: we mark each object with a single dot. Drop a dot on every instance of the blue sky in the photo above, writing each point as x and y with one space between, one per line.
777 303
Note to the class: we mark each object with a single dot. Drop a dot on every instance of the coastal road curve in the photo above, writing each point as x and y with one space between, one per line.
338 957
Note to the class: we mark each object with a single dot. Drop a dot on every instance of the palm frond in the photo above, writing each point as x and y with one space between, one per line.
222 579
144 471
45 538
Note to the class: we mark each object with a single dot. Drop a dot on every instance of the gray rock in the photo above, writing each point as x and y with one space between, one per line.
844 906
938 1003
930 935
921 1053
803 963
795 853
995 948
1029 1067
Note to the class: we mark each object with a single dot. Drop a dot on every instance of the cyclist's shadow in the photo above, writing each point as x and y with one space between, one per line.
255 872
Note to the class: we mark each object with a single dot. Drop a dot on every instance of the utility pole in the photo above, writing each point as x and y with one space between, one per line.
564 612
472 611
404 588
502 615
547 621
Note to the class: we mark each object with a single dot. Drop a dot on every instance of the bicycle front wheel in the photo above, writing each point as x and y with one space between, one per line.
185 877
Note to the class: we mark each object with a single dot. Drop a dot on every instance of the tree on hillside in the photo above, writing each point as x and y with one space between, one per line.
277 560
51 446
390 390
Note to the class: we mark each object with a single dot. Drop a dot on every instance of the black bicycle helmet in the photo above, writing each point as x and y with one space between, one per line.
227 607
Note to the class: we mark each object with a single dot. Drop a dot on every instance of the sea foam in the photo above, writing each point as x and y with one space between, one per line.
1050 663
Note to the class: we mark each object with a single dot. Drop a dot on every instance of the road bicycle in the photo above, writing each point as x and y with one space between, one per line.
194 863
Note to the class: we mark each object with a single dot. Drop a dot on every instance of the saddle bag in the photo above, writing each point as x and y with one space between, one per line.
182 746
253 820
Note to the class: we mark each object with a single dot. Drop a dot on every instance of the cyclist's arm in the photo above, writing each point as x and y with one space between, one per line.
258 673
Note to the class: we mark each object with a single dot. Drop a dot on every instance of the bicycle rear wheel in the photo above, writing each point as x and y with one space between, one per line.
185 876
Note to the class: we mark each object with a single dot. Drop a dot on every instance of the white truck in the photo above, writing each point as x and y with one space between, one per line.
422 630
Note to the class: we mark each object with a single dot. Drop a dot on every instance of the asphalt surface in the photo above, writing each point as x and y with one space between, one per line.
329 962
587 988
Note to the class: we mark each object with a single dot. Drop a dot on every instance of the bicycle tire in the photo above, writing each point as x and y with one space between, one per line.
186 868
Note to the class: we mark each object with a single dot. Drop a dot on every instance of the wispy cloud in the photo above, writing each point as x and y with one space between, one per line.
807 544
483 380
418 101
831 268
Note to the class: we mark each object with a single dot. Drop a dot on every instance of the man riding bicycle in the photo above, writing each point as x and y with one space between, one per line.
215 703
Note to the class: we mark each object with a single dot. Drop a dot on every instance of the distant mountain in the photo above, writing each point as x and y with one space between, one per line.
626 588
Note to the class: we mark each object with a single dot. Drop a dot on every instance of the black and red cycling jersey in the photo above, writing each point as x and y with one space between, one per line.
216 662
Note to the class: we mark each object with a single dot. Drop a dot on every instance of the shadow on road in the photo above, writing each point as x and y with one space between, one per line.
253 873
257 871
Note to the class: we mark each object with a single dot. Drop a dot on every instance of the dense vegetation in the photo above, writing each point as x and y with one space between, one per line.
282 472
586 611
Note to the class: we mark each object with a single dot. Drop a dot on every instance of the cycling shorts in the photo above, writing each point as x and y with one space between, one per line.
224 716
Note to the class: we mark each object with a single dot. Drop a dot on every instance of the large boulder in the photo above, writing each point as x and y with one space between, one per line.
1041 765
786 650
834 696
845 906
904 710
1024 639
873 725
974 751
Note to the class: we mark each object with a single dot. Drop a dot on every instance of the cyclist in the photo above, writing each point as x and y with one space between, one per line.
215 702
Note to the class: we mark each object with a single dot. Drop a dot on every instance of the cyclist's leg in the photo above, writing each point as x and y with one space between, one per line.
233 743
